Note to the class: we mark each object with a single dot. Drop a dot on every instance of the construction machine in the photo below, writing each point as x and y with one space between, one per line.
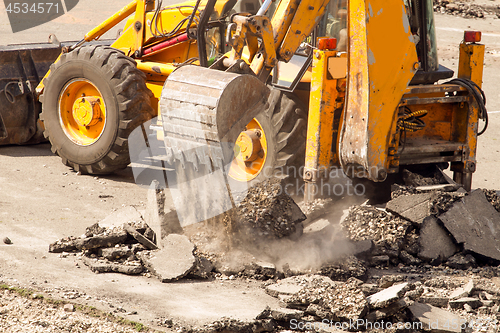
252 89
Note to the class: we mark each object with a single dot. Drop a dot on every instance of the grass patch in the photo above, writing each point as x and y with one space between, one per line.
85 309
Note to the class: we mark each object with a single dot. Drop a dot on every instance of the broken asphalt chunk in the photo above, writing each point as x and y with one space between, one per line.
435 243
88 243
434 319
174 261
387 296
415 207
470 301
288 286
284 314
463 291
267 211
387 311
105 266
139 237
112 253
459 261
474 222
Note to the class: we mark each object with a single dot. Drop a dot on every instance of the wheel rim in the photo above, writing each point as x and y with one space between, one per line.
82 112
250 153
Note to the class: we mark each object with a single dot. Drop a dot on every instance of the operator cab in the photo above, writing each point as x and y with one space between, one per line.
287 76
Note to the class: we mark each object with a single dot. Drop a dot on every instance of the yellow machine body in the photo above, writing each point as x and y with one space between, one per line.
358 97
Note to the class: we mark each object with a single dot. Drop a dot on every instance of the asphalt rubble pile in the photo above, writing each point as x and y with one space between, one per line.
430 264
466 9
427 258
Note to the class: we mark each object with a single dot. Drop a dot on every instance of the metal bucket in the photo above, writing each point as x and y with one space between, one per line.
21 69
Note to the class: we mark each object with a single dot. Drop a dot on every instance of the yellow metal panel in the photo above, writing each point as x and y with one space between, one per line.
382 58
156 68
156 88
320 119
282 18
139 26
354 134
471 62
306 18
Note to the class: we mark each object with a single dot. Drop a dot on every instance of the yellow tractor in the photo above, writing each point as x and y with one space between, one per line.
254 89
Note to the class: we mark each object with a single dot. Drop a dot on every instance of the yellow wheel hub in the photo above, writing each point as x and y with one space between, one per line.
87 111
250 153
82 112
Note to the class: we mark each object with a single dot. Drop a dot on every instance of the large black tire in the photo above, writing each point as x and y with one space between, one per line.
285 128
125 95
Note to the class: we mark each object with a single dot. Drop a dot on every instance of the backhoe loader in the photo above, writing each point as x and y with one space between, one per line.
247 90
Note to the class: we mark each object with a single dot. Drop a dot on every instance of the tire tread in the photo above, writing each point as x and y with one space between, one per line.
134 106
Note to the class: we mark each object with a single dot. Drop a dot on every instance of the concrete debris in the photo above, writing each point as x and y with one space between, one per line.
460 261
416 179
385 229
470 301
284 314
330 299
267 211
427 237
316 208
265 313
112 253
139 237
466 9
173 261
107 239
388 311
493 198
261 270
202 268
121 216
345 268
369 288
7 241
288 286
434 319
363 248
161 218
387 281
441 302
435 242
408 259
462 291
237 326
445 200
112 244
474 222
105 266
439 187
415 207
387 296
382 260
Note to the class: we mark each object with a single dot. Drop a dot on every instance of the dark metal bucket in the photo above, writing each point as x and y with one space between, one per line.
21 69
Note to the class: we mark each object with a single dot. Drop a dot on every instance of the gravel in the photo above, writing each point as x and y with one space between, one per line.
28 314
